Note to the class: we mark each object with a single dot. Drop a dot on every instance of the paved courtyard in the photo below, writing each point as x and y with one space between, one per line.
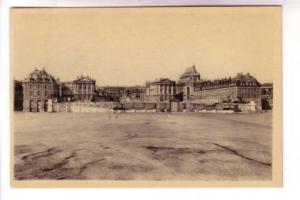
143 146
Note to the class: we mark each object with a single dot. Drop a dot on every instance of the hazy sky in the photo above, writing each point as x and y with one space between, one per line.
128 46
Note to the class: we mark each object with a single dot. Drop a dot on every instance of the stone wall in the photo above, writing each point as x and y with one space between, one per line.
149 107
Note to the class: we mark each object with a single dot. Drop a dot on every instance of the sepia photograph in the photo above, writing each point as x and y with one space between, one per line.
149 96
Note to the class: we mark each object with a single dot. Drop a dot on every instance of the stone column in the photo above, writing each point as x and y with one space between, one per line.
91 86
87 91
81 92
75 91
158 89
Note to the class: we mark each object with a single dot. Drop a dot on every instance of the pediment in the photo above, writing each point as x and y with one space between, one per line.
85 79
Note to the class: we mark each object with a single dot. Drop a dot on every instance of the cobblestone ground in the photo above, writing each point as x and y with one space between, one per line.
143 146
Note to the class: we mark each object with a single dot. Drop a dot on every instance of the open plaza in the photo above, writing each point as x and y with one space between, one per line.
143 146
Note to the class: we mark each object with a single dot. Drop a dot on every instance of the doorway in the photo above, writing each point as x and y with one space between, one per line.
39 106
31 106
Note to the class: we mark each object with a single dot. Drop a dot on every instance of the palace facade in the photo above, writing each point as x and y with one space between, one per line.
83 88
38 88
186 84
34 92
242 88
160 90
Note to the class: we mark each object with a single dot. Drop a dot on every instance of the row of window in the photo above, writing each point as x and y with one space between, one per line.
247 83
84 92
164 98
31 86
39 80
247 95
223 96
217 92
39 93
249 89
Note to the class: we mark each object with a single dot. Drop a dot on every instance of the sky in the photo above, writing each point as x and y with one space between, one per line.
129 46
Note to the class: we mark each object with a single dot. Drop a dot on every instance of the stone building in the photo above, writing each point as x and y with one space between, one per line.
186 85
267 96
133 94
242 88
160 90
18 96
109 93
38 88
67 91
83 88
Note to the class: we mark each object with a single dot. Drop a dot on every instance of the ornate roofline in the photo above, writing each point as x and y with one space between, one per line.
39 76
87 79
160 81
189 71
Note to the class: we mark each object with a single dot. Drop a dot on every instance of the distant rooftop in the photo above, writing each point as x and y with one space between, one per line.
160 80
40 76
189 71
82 78
240 77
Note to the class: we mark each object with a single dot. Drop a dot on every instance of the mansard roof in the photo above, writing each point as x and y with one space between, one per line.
84 79
40 76
189 71
242 78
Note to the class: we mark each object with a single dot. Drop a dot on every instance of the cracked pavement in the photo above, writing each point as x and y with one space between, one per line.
143 146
